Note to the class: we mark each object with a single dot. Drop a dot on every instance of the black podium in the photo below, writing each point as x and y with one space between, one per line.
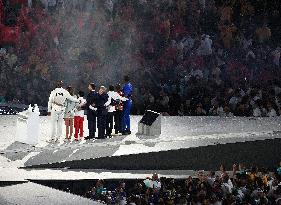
150 124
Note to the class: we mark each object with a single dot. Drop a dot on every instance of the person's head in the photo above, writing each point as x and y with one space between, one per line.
155 176
70 90
222 168
212 174
200 174
111 88
216 183
242 166
126 78
92 86
118 87
122 184
99 183
81 93
188 180
59 84
102 90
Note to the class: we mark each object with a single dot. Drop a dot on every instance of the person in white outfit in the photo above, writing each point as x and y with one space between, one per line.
56 109
113 99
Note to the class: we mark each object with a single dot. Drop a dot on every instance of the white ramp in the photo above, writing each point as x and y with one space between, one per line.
31 193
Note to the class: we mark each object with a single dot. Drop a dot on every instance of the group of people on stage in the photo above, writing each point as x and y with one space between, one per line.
105 110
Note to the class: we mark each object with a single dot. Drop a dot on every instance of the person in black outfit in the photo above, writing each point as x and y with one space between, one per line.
91 114
102 98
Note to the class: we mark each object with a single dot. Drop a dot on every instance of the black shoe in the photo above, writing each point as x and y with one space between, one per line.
90 137
127 133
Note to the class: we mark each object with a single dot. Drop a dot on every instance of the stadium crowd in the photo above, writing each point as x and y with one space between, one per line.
241 186
194 57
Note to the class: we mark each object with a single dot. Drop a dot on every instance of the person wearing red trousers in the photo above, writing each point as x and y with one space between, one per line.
79 117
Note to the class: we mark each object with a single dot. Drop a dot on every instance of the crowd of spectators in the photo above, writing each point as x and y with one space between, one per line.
191 57
241 186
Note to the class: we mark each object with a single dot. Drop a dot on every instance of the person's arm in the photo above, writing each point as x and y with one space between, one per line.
108 101
89 101
119 97
92 108
71 98
82 102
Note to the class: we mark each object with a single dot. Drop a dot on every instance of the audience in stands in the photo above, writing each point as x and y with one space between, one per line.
241 186
195 57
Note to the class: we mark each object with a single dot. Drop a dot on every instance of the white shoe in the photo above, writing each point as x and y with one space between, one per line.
66 140
50 140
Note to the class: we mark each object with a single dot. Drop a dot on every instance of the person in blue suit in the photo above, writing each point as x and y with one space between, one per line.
127 91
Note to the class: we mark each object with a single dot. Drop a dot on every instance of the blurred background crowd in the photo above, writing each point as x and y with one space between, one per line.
185 57
239 186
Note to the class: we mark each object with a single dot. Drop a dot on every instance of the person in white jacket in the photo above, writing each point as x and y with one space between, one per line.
113 99
56 108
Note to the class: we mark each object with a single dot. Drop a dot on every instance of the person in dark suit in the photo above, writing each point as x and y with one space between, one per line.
91 113
99 105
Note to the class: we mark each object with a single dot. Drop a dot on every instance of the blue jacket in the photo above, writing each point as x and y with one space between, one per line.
128 90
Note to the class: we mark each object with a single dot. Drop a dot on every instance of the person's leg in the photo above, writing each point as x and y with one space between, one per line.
53 125
91 128
70 127
126 120
107 124
110 123
120 113
94 125
81 128
127 112
129 116
116 122
76 126
99 124
123 120
60 123
66 122
103 126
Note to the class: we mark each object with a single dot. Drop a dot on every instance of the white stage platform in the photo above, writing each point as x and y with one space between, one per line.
177 133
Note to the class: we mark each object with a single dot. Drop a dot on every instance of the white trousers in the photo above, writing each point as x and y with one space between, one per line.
57 122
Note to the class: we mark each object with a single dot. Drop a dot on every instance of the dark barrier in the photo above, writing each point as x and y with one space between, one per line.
262 153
